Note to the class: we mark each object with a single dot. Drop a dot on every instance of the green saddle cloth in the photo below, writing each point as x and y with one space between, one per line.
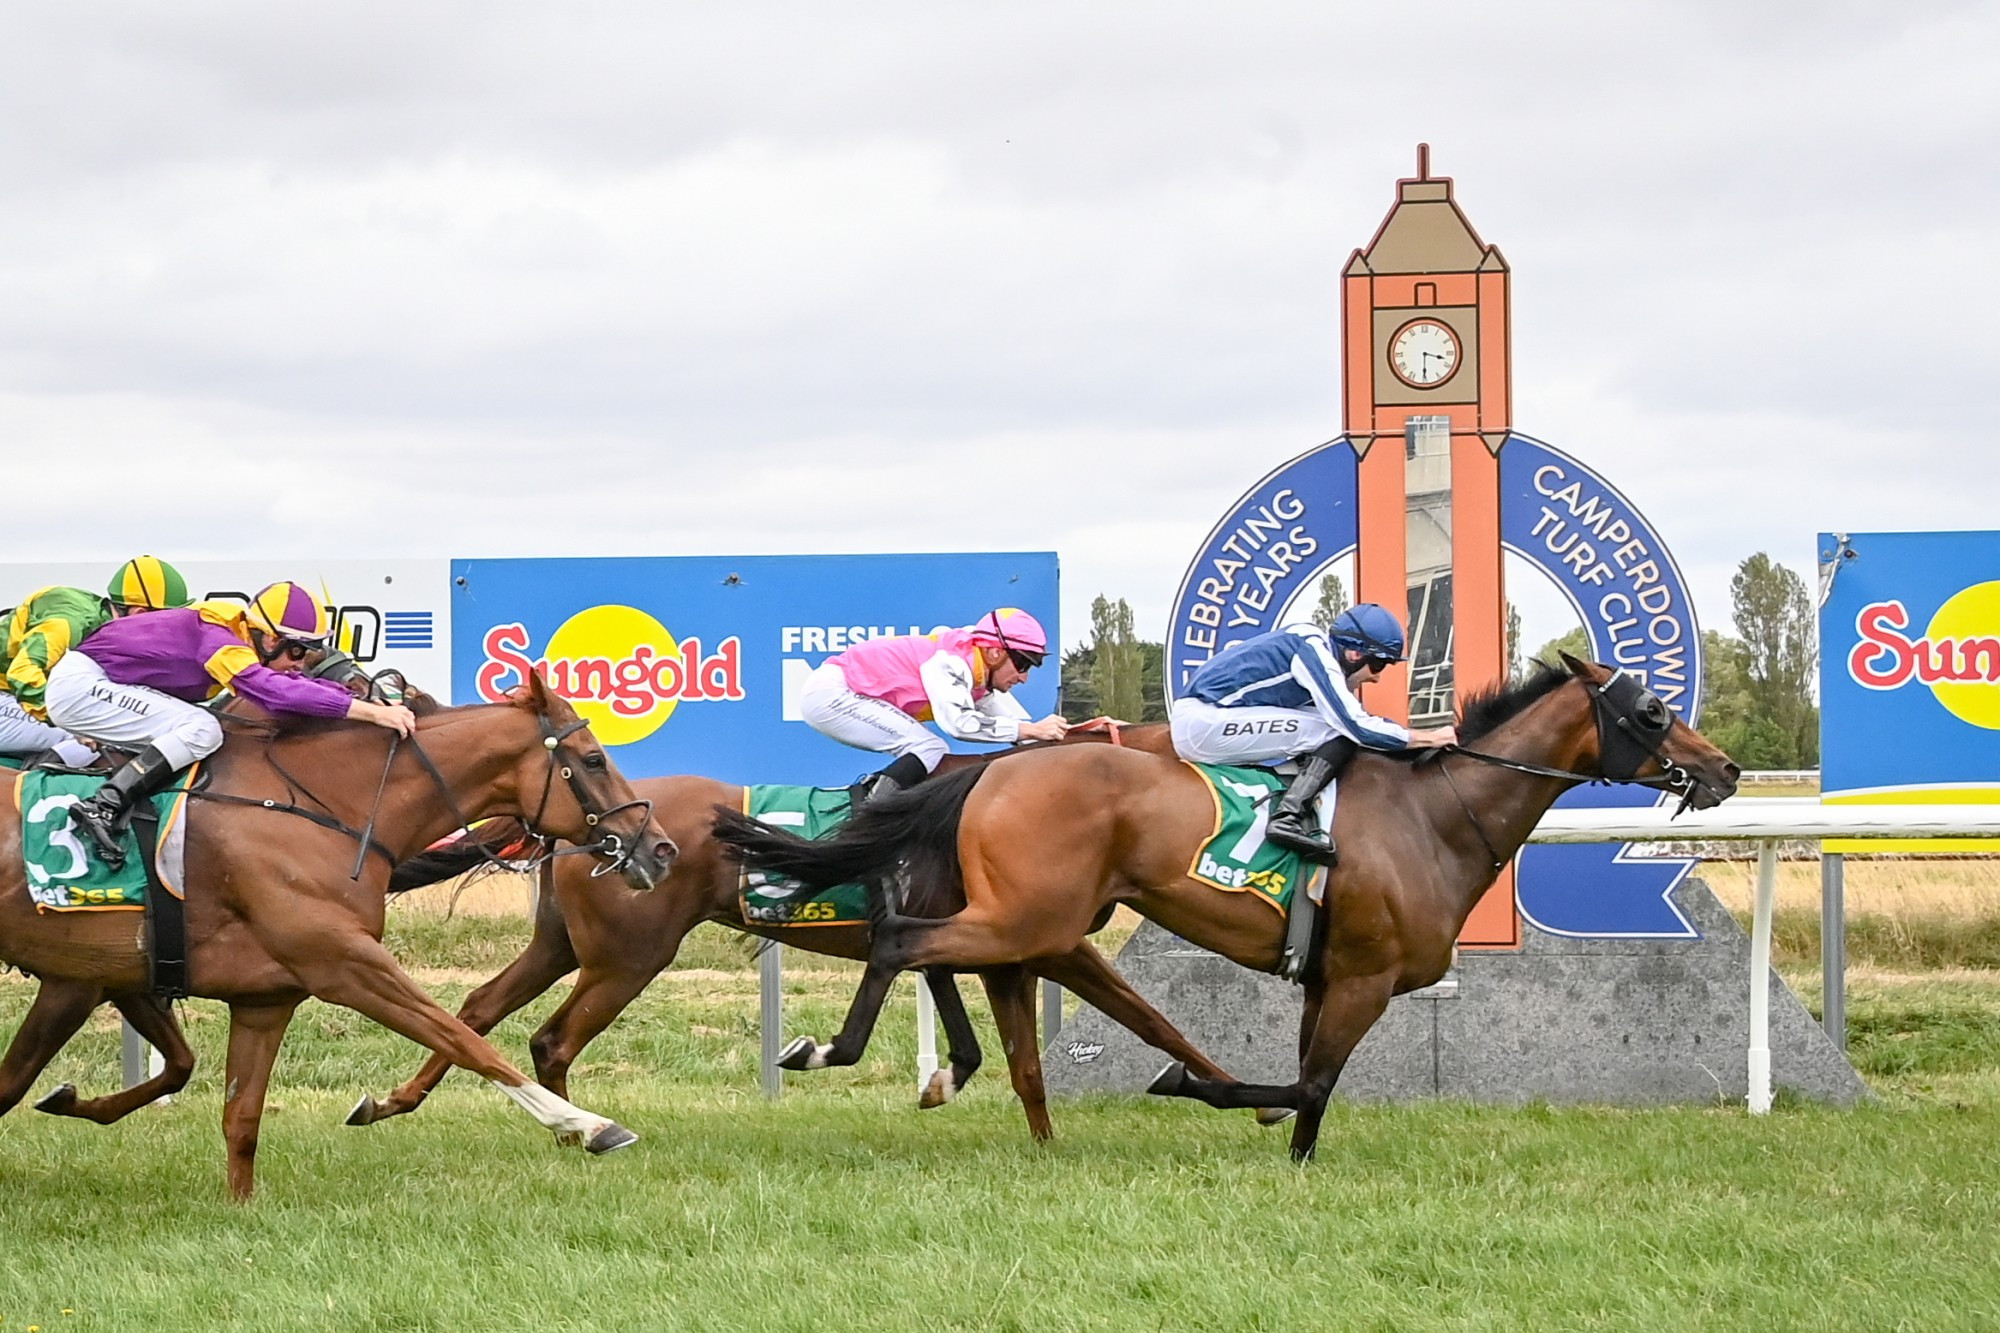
810 812
1235 857
64 873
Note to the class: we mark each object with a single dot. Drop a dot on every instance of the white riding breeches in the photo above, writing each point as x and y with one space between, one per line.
1250 735
83 700
21 734
832 709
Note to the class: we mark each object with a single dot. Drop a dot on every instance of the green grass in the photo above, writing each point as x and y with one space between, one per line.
841 1206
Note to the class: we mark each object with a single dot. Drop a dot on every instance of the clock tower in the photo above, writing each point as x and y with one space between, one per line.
1426 383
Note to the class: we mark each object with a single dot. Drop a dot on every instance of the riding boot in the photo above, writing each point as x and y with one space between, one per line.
102 815
907 771
1292 824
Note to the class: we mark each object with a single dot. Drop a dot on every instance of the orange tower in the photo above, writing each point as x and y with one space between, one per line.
1427 392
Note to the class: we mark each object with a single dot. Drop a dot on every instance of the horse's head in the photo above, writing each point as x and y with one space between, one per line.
571 790
1640 739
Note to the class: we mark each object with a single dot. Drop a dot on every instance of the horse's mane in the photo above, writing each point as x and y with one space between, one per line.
1483 711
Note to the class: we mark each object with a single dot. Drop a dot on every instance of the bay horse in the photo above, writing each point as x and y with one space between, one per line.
282 908
619 944
1039 845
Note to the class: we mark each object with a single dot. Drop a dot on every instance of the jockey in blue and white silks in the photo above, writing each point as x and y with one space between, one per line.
1290 693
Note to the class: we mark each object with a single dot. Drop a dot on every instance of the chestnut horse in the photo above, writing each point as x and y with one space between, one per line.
619 944
288 855
1042 844
62 1005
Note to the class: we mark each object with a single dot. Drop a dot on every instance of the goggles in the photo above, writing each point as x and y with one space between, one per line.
1024 661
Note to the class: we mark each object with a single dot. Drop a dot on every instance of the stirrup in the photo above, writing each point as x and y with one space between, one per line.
1313 848
103 834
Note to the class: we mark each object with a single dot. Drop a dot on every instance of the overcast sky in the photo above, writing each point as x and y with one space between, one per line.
642 278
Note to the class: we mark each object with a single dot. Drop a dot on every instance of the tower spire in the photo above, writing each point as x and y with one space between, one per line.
1423 161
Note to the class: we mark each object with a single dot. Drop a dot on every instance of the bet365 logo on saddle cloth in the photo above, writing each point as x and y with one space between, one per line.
810 812
64 873
1236 856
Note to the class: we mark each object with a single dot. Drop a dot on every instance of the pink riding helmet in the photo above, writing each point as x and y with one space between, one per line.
1016 631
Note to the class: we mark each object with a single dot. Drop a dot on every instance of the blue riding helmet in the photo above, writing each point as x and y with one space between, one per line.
1370 630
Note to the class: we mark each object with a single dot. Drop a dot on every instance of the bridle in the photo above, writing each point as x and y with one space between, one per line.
611 850
1632 727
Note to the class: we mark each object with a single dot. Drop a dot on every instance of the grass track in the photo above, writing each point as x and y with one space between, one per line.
842 1206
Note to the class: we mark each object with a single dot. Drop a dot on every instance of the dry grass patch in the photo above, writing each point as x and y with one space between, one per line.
1875 886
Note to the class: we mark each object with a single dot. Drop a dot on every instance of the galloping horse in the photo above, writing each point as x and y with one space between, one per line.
62 1005
619 944
282 908
1041 844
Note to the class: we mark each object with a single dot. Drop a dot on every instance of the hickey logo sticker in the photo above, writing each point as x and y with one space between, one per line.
622 670
1957 657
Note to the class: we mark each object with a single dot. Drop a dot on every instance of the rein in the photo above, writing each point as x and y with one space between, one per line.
1604 710
611 850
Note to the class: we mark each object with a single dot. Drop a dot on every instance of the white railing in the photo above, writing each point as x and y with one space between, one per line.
1767 821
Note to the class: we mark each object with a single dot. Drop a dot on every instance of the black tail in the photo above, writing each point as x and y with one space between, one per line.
917 829
478 848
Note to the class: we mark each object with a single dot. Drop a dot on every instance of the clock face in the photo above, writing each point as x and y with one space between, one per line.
1424 353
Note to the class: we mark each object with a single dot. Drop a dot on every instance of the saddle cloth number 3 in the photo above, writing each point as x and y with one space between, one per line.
62 835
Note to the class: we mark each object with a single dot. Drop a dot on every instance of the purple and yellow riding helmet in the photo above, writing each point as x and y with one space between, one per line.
288 611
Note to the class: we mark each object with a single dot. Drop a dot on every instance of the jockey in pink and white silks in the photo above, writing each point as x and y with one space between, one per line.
878 694
1290 694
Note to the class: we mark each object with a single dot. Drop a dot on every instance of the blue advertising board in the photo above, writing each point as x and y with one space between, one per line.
1909 678
692 664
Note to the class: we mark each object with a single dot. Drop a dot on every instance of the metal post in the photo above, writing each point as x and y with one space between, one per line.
138 1060
1052 1011
771 1011
927 1061
1833 946
1760 978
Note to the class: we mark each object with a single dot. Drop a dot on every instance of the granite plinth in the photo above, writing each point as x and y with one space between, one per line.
1619 1021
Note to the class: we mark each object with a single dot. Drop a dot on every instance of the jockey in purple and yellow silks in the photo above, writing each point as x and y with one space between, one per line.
878 694
48 624
135 683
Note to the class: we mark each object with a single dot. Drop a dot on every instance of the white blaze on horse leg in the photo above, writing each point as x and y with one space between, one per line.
553 1111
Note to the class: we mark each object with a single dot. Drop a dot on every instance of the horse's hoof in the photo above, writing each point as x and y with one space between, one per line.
59 1099
941 1089
365 1111
1274 1115
610 1139
799 1055
1169 1082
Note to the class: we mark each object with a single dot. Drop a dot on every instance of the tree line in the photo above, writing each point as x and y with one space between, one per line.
1757 701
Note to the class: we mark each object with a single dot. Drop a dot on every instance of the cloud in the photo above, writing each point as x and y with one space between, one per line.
615 278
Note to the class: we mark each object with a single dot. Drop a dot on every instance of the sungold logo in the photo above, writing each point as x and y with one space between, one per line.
1958 656
622 670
